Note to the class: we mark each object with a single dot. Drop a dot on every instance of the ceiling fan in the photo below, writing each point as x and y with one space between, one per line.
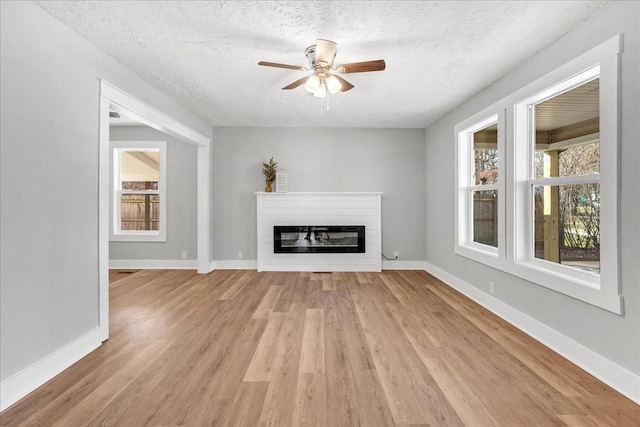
323 79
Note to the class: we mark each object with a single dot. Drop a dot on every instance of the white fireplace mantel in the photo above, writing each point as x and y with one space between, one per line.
319 208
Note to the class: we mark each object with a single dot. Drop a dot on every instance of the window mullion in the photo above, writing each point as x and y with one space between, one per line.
485 187
566 180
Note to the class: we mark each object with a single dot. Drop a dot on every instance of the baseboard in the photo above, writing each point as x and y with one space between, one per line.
24 382
396 264
253 264
608 372
233 264
153 264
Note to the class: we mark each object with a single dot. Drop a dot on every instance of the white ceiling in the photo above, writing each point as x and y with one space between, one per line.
205 54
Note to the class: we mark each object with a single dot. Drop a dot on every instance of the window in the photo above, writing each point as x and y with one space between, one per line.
560 190
564 147
479 204
563 205
139 177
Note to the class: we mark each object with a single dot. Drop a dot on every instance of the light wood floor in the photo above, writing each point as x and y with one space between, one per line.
340 349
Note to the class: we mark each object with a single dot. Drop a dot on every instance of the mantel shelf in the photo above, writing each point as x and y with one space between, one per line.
321 193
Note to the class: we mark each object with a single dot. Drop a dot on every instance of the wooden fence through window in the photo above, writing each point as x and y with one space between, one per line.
139 212
485 221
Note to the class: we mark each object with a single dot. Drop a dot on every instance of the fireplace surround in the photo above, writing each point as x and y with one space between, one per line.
326 209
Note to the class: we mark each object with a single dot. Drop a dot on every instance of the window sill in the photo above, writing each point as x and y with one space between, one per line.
582 286
138 237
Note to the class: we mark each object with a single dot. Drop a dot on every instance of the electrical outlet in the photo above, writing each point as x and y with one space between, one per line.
396 255
492 288
240 254
183 254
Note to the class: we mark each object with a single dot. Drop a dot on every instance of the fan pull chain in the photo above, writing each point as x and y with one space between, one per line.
324 103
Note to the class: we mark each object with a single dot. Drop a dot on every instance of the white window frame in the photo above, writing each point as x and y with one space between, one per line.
525 173
465 187
515 255
116 233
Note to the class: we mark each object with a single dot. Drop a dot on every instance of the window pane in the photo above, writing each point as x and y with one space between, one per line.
140 185
139 212
140 165
563 126
567 225
485 153
485 217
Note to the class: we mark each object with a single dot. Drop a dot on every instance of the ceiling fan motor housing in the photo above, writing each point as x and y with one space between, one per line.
311 55
321 54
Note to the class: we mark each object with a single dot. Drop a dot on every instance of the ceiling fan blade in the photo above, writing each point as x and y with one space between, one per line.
345 84
325 51
275 64
362 67
297 83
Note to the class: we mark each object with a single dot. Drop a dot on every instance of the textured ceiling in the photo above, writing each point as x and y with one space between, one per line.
205 54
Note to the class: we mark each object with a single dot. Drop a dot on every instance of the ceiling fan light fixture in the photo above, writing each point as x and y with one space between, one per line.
313 84
333 84
321 58
321 92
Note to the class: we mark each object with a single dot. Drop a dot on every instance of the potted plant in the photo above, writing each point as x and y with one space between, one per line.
269 172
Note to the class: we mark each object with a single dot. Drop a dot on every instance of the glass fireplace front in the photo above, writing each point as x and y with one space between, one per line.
318 239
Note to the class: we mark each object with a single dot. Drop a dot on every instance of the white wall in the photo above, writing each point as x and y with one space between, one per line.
617 338
387 160
49 181
181 199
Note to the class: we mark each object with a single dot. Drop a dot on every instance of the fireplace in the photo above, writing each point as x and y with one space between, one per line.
298 211
341 239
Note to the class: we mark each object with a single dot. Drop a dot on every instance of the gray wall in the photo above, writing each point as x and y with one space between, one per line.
387 160
49 180
615 337
181 199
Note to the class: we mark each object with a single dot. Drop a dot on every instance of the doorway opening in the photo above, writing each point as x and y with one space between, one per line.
115 100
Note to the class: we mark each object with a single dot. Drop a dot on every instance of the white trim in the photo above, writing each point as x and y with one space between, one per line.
232 264
111 96
554 181
253 265
617 377
24 382
315 193
610 48
146 114
104 216
572 82
203 219
153 264
396 264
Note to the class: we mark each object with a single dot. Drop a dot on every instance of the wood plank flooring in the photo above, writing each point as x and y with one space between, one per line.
241 348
